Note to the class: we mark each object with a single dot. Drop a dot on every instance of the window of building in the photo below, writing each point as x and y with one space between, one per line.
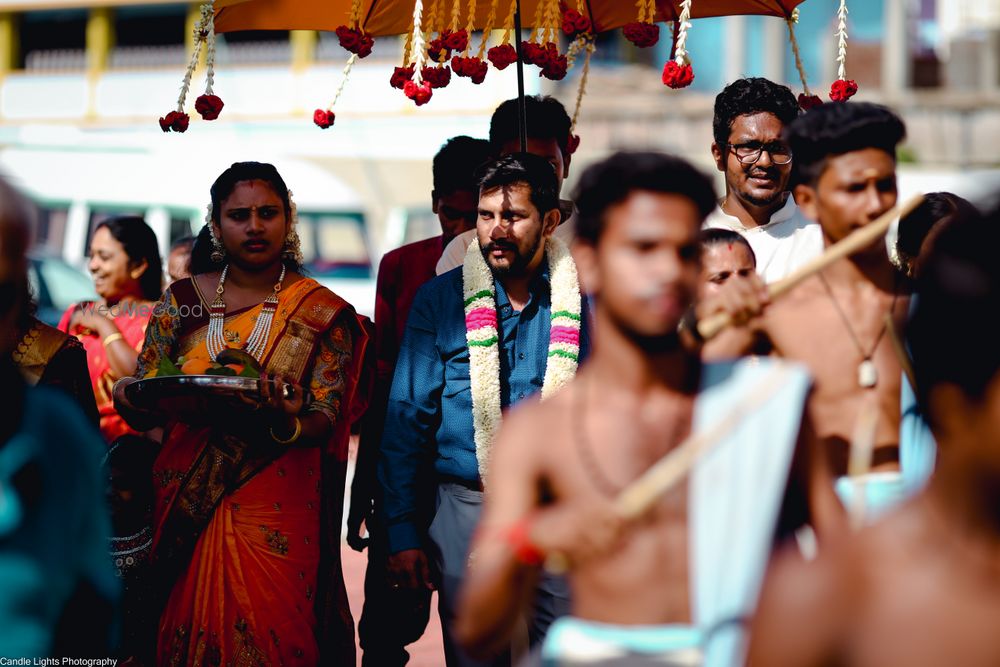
53 40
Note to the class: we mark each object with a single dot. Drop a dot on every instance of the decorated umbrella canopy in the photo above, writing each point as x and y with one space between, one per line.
439 38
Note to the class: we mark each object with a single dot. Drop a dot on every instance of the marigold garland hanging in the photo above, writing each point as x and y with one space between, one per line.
677 72
843 88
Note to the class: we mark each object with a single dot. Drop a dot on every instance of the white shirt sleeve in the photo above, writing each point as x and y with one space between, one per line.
454 253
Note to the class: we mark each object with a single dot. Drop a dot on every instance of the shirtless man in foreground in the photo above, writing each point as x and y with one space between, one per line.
920 588
844 168
559 465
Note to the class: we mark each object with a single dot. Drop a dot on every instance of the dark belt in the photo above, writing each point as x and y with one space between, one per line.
472 485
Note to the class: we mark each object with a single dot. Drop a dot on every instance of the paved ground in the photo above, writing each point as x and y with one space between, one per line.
425 653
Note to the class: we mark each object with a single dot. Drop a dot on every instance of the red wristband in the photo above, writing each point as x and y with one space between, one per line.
519 540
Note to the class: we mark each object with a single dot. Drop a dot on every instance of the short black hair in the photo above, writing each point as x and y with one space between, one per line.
456 162
952 334
836 128
613 179
527 168
139 241
936 207
717 235
546 119
749 96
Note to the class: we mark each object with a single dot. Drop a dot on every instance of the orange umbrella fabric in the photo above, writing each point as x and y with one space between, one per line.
395 17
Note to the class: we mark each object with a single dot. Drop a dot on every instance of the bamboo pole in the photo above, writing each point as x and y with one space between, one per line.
711 326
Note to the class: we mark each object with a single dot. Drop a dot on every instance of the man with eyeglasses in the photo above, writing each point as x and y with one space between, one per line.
750 115
395 617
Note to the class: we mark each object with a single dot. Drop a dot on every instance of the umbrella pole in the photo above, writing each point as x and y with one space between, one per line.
522 112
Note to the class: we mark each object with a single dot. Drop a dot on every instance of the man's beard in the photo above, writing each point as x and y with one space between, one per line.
519 264
762 201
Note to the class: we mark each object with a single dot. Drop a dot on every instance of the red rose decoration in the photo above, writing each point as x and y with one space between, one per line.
355 41
437 77
842 90
808 102
176 121
400 76
436 48
642 34
349 39
533 53
365 49
676 76
555 68
456 41
420 94
323 118
572 143
209 106
167 121
502 56
574 23
474 68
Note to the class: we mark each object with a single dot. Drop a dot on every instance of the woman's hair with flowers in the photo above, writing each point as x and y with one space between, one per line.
201 253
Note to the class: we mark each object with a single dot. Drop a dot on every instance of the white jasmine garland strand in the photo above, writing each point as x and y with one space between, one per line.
487 27
199 38
418 42
842 40
210 47
683 24
343 80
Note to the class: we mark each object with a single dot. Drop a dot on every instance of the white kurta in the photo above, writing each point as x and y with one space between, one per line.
785 243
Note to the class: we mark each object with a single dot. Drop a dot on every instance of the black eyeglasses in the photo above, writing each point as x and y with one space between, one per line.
751 151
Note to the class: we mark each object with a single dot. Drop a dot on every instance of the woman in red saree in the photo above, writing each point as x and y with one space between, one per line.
246 524
125 264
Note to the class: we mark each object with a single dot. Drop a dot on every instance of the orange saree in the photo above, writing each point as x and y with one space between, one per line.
246 541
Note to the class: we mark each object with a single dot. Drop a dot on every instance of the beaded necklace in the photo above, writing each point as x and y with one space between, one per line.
257 340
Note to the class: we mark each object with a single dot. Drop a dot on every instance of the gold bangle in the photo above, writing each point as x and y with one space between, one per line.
110 338
295 434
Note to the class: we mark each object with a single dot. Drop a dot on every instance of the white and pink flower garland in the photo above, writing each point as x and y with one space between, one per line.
483 337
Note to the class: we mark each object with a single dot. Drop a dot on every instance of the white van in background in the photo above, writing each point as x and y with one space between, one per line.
76 189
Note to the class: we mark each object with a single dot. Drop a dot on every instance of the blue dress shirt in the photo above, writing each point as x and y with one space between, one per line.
430 403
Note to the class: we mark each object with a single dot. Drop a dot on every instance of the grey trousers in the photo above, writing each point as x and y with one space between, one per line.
455 520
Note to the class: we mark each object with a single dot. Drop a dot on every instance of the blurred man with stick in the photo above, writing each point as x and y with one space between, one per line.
661 572
920 587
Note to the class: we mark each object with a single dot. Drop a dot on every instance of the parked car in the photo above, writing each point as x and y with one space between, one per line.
55 285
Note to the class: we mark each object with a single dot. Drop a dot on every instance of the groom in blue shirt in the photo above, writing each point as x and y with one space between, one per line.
430 437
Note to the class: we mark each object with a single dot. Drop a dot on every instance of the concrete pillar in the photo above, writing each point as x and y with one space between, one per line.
735 52
100 38
9 42
896 57
303 43
775 42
